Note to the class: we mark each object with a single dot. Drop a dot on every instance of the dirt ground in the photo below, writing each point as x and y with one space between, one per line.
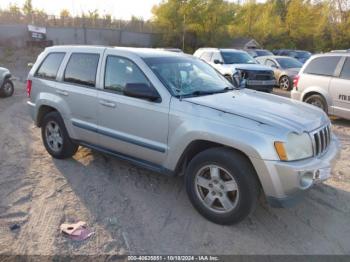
133 211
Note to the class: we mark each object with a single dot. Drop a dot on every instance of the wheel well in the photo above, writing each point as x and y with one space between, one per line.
312 93
7 76
279 79
195 148
43 110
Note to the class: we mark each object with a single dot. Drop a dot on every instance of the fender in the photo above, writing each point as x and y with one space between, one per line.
59 104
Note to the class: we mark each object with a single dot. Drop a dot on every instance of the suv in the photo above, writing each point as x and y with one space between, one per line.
176 115
237 65
324 81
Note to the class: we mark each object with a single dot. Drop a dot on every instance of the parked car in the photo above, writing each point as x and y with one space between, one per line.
6 84
285 69
236 65
324 81
171 49
259 52
176 115
300 55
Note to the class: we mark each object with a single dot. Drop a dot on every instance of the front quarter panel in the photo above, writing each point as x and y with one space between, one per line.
190 122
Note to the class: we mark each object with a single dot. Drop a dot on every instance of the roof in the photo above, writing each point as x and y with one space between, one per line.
141 52
220 49
241 42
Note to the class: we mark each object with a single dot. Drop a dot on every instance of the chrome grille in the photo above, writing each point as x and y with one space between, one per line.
320 140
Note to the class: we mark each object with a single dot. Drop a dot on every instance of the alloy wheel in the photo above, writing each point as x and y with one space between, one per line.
216 188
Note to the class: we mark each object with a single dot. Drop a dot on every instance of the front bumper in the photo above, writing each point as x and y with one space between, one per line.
285 183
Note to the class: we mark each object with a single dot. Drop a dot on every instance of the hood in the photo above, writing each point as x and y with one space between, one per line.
256 67
267 109
292 71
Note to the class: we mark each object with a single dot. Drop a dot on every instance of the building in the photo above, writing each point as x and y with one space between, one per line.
245 43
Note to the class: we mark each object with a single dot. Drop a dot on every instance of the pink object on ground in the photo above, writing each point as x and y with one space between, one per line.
77 231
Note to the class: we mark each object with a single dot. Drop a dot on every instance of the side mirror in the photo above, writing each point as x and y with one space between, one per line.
30 65
217 61
141 90
274 66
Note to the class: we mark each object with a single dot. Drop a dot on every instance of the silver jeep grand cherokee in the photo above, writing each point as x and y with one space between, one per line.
175 114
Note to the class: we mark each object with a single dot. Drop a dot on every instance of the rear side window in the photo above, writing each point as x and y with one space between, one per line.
81 69
206 56
345 72
49 67
323 65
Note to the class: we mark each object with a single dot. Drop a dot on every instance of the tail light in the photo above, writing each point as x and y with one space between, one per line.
295 82
29 87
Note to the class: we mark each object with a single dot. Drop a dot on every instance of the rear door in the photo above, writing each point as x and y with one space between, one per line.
340 90
132 126
77 88
317 77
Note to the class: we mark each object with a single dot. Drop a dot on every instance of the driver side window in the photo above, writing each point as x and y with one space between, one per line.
121 71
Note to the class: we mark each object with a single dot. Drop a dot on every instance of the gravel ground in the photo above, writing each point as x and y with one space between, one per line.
136 211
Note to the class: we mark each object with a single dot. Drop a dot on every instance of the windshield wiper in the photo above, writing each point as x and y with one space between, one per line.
204 93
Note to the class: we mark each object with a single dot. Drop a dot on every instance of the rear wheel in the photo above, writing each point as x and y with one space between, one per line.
317 100
55 137
222 185
7 88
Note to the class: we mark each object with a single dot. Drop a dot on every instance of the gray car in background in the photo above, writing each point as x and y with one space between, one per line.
6 84
284 67
324 81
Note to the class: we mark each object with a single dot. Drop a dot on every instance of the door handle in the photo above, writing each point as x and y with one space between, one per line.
107 103
62 92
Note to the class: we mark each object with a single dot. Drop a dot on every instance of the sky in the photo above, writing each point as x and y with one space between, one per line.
123 9
117 8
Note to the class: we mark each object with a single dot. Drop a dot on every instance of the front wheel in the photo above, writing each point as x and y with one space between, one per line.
7 88
222 185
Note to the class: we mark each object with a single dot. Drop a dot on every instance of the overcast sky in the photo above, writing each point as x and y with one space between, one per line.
117 8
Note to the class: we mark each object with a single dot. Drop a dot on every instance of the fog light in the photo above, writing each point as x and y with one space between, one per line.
317 174
306 179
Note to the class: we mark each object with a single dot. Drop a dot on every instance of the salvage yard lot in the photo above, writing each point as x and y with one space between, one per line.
136 211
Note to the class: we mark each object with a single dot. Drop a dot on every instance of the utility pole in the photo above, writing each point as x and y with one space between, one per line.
184 33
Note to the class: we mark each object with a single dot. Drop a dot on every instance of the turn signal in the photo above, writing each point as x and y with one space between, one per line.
281 151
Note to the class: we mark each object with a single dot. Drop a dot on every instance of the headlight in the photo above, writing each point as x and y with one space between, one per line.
297 147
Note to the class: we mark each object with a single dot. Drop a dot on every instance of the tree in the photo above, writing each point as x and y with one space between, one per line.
28 7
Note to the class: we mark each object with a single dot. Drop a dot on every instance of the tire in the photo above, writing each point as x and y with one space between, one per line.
285 83
7 89
55 137
231 170
317 100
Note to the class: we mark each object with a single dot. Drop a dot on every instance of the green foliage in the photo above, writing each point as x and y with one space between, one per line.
316 25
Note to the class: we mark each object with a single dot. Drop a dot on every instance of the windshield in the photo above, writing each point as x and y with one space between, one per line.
185 76
289 63
303 54
237 58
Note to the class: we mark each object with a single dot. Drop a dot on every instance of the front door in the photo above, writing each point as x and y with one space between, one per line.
129 125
